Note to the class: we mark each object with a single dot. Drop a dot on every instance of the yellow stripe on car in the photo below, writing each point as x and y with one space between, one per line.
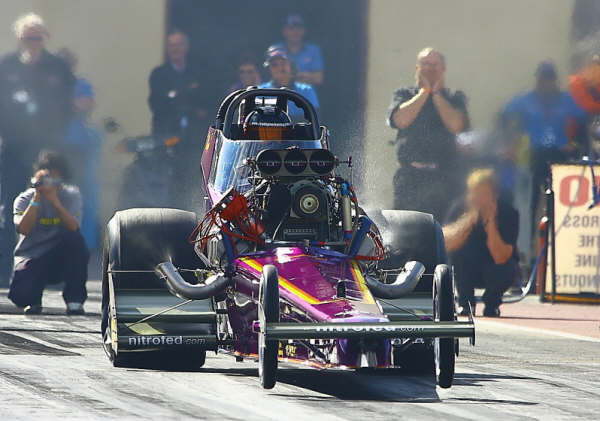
284 283
360 280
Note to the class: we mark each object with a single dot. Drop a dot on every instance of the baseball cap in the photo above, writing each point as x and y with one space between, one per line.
274 52
294 20
546 70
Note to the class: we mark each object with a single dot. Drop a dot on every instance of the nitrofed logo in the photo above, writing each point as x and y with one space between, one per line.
373 328
164 340
155 340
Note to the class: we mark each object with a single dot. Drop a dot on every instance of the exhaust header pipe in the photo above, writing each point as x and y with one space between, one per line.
405 282
179 287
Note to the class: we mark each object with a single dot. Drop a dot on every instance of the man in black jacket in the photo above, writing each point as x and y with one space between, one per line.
177 99
428 117
35 105
179 108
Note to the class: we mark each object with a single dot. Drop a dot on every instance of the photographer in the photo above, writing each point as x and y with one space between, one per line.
481 238
50 248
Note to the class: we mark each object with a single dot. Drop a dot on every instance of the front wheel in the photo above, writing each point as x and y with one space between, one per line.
268 312
443 311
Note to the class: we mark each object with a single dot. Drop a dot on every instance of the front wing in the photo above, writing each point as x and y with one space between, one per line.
408 329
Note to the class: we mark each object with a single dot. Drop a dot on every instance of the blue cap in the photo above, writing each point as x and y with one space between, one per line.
294 20
274 52
546 70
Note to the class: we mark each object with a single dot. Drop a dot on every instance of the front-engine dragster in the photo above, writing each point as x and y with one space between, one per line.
284 266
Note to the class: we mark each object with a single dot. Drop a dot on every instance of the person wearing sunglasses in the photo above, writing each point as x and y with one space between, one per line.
36 88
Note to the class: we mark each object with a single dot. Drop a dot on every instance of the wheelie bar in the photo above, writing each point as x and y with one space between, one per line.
417 329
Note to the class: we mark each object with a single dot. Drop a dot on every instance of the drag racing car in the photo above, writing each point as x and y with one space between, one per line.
284 266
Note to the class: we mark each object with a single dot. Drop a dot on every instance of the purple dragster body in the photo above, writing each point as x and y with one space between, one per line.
307 285
285 265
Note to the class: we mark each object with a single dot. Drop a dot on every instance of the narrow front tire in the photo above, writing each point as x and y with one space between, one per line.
268 312
443 311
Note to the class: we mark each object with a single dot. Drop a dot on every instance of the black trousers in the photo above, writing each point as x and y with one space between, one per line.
496 279
425 190
67 262
540 173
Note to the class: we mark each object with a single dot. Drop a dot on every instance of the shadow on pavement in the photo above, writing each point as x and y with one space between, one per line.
382 386
490 401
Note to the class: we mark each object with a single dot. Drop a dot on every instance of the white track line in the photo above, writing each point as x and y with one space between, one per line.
510 326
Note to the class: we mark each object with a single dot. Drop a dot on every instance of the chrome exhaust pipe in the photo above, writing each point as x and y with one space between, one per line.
405 282
179 287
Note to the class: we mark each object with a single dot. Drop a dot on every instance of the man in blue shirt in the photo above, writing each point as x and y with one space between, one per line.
306 57
282 76
550 118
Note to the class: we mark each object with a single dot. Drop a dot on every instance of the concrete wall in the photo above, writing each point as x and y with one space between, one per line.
492 48
118 42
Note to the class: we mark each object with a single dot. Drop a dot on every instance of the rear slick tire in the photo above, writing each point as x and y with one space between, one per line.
268 312
116 358
139 239
443 311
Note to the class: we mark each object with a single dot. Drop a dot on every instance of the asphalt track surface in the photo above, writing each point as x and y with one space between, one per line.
52 366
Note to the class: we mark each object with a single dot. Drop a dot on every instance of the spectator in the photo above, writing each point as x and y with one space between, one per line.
179 107
481 237
83 147
35 105
248 74
50 247
428 118
585 86
306 57
282 76
177 99
550 118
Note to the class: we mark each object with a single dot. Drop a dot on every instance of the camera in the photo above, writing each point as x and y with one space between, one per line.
45 181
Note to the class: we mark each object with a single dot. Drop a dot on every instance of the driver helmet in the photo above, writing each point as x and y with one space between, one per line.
268 123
